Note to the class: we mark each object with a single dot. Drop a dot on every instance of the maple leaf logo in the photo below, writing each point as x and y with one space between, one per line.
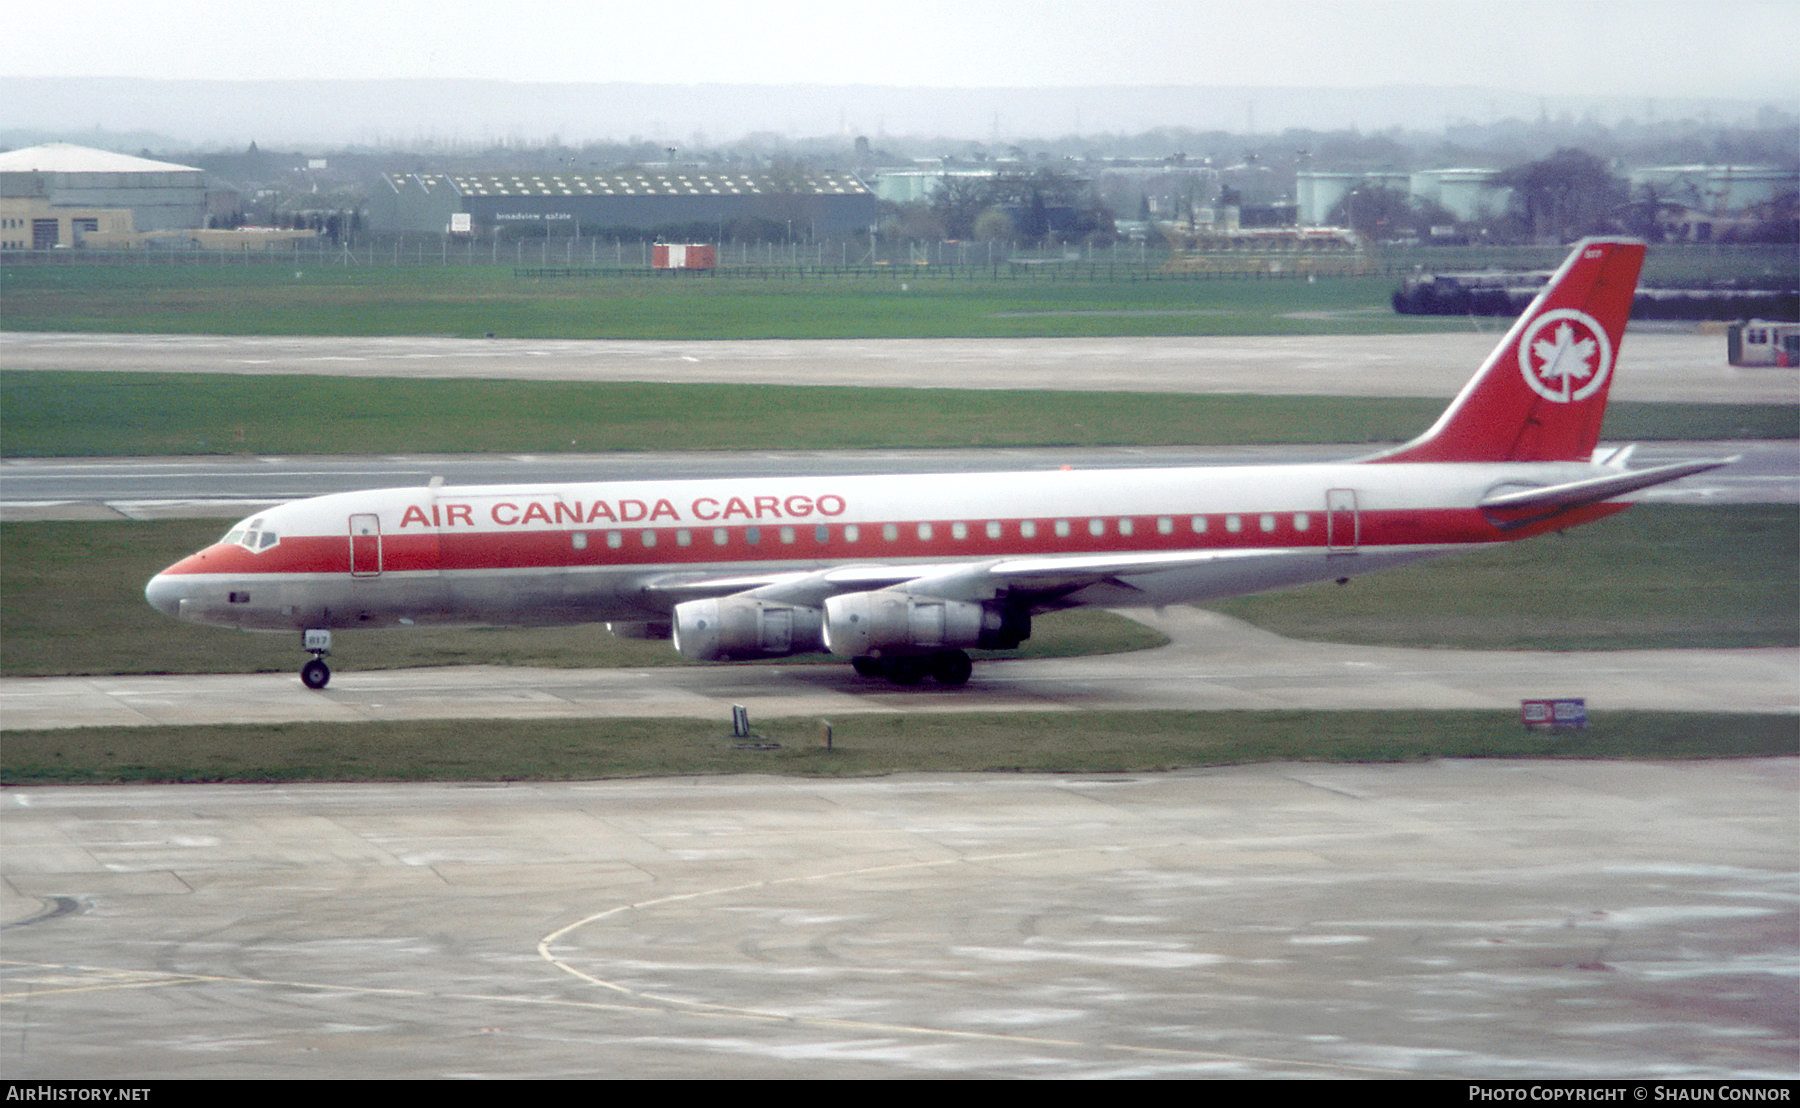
1566 356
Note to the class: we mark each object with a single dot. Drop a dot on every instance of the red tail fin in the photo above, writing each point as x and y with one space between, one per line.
1541 394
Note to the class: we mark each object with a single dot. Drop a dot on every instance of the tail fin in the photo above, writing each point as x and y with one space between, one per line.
1541 394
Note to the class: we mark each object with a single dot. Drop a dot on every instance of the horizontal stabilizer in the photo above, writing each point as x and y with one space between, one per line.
1595 489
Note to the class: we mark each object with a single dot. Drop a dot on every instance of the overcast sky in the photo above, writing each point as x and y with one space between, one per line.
1647 48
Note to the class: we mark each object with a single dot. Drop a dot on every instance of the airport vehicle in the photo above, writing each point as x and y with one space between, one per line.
904 574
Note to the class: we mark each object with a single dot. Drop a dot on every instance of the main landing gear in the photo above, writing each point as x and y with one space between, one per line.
947 667
316 674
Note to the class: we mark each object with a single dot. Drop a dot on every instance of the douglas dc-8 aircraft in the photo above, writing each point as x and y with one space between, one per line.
902 574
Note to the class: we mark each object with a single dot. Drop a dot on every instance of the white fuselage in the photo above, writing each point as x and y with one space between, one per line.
625 551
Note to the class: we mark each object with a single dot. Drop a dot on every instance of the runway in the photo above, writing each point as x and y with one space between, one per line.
1522 920
1655 364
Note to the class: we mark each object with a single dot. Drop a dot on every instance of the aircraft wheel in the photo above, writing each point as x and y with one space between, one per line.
907 671
315 674
866 666
952 667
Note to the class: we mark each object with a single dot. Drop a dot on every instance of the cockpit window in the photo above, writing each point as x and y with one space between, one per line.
251 536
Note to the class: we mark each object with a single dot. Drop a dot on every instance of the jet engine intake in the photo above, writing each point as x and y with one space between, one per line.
744 627
886 621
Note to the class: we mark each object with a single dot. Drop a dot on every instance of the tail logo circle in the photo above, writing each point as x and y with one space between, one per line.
1565 355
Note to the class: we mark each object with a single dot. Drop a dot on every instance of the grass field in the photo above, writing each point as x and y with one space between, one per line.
1102 742
270 299
1657 576
327 297
50 414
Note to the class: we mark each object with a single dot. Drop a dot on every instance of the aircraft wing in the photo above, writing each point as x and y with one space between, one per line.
1048 577
810 588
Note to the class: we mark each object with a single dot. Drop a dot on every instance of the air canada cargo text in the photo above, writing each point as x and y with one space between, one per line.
703 509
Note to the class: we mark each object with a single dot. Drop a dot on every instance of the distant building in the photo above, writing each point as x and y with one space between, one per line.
1468 194
1158 190
805 205
32 223
66 179
920 186
1704 203
1318 193
1716 189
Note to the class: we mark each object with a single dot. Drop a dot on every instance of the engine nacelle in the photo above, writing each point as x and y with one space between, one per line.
886 621
744 627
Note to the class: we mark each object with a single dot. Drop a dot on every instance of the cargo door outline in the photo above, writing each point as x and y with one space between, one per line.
1343 522
365 545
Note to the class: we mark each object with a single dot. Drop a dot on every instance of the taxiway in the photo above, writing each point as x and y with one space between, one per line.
1522 920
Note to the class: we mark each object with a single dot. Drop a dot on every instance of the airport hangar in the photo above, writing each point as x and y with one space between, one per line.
60 195
803 204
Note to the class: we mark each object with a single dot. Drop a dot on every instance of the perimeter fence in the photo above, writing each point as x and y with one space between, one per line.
1669 264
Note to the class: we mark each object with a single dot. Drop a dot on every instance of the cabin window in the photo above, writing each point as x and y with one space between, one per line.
649 538
615 539
993 529
821 534
1234 524
578 539
684 537
1096 527
1165 525
1302 521
852 532
1198 523
721 536
753 535
1267 522
787 535
1028 529
1062 528
959 530
890 531
1125 527
924 532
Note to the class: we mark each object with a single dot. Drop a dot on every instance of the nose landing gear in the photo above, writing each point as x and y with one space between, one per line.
316 674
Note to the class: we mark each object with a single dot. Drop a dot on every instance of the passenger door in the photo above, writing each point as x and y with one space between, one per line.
365 545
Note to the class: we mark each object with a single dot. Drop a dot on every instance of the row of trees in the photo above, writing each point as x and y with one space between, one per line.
1573 193
1564 196
1031 208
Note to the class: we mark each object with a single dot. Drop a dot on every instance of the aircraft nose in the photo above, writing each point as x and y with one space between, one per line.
164 593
